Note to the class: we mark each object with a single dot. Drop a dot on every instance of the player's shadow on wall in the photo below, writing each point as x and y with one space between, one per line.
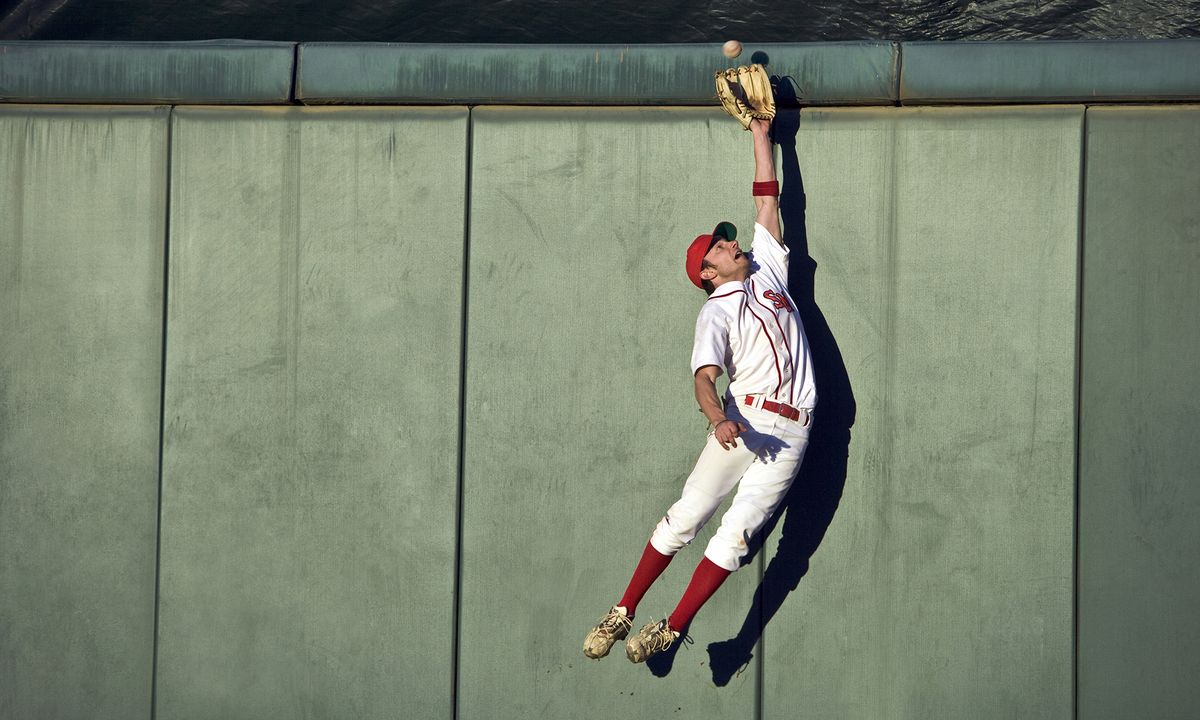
810 505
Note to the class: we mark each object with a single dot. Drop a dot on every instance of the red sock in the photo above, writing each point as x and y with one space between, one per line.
648 569
705 581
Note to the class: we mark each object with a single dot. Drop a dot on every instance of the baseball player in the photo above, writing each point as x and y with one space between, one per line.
749 329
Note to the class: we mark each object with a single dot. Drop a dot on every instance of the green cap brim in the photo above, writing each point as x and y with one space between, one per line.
726 230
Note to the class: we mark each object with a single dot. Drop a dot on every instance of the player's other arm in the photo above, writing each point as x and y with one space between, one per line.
766 206
726 430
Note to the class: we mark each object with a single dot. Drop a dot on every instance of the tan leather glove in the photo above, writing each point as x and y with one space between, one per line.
745 93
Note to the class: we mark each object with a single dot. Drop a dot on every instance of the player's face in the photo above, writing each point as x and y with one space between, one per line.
728 260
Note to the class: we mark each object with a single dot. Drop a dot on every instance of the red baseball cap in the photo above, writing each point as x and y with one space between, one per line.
700 247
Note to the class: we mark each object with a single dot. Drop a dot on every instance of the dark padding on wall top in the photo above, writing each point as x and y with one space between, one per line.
844 73
217 71
851 73
1059 71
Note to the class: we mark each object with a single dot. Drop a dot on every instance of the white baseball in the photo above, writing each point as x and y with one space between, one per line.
731 48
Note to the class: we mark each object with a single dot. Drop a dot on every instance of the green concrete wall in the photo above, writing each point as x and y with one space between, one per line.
366 511
946 247
1139 462
82 223
311 413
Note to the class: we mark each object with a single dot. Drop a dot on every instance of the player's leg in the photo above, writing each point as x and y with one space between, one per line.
715 475
759 495
716 472
763 486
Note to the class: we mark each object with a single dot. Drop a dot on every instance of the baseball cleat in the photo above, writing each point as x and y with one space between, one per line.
652 638
612 627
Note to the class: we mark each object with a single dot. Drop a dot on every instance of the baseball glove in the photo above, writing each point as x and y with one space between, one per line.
745 93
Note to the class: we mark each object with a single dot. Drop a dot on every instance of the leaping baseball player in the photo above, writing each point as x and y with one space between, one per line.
749 329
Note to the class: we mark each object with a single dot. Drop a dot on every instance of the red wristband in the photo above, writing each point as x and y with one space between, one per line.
770 187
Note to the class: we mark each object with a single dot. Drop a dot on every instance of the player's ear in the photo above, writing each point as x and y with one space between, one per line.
708 272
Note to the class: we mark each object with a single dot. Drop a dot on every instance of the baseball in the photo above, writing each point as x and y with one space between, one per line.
732 48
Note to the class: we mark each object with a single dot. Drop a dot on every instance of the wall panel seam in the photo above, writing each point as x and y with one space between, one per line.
462 419
1081 235
759 678
162 397
295 74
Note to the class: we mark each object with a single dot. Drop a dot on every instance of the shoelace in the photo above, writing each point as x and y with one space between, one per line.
613 622
662 637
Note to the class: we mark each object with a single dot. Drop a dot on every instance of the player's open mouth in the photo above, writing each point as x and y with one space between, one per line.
737 254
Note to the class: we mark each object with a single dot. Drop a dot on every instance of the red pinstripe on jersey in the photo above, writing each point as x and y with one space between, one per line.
791 356
728 294
775 355
787 346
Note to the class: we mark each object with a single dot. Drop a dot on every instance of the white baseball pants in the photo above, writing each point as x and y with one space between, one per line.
765 462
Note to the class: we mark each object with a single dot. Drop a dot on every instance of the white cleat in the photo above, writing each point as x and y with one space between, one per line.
653 638
612 627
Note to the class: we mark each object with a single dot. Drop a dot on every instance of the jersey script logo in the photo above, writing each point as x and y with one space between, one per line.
779 301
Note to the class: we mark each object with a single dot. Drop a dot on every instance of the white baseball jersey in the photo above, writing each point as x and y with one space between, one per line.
751 329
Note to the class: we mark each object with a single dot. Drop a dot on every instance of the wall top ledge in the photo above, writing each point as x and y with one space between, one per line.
1050 71
210 71
852 73
843 73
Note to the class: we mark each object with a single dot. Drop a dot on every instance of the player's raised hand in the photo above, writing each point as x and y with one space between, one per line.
727 431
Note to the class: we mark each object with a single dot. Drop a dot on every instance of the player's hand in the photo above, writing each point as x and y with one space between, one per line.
727 432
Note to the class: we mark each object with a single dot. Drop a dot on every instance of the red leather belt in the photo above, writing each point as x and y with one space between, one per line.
783 409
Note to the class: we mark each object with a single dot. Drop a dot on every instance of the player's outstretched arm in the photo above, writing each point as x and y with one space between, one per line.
726 430
766 206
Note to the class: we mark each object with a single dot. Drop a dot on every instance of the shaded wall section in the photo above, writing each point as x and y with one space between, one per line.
1139 499
82 223
311 438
